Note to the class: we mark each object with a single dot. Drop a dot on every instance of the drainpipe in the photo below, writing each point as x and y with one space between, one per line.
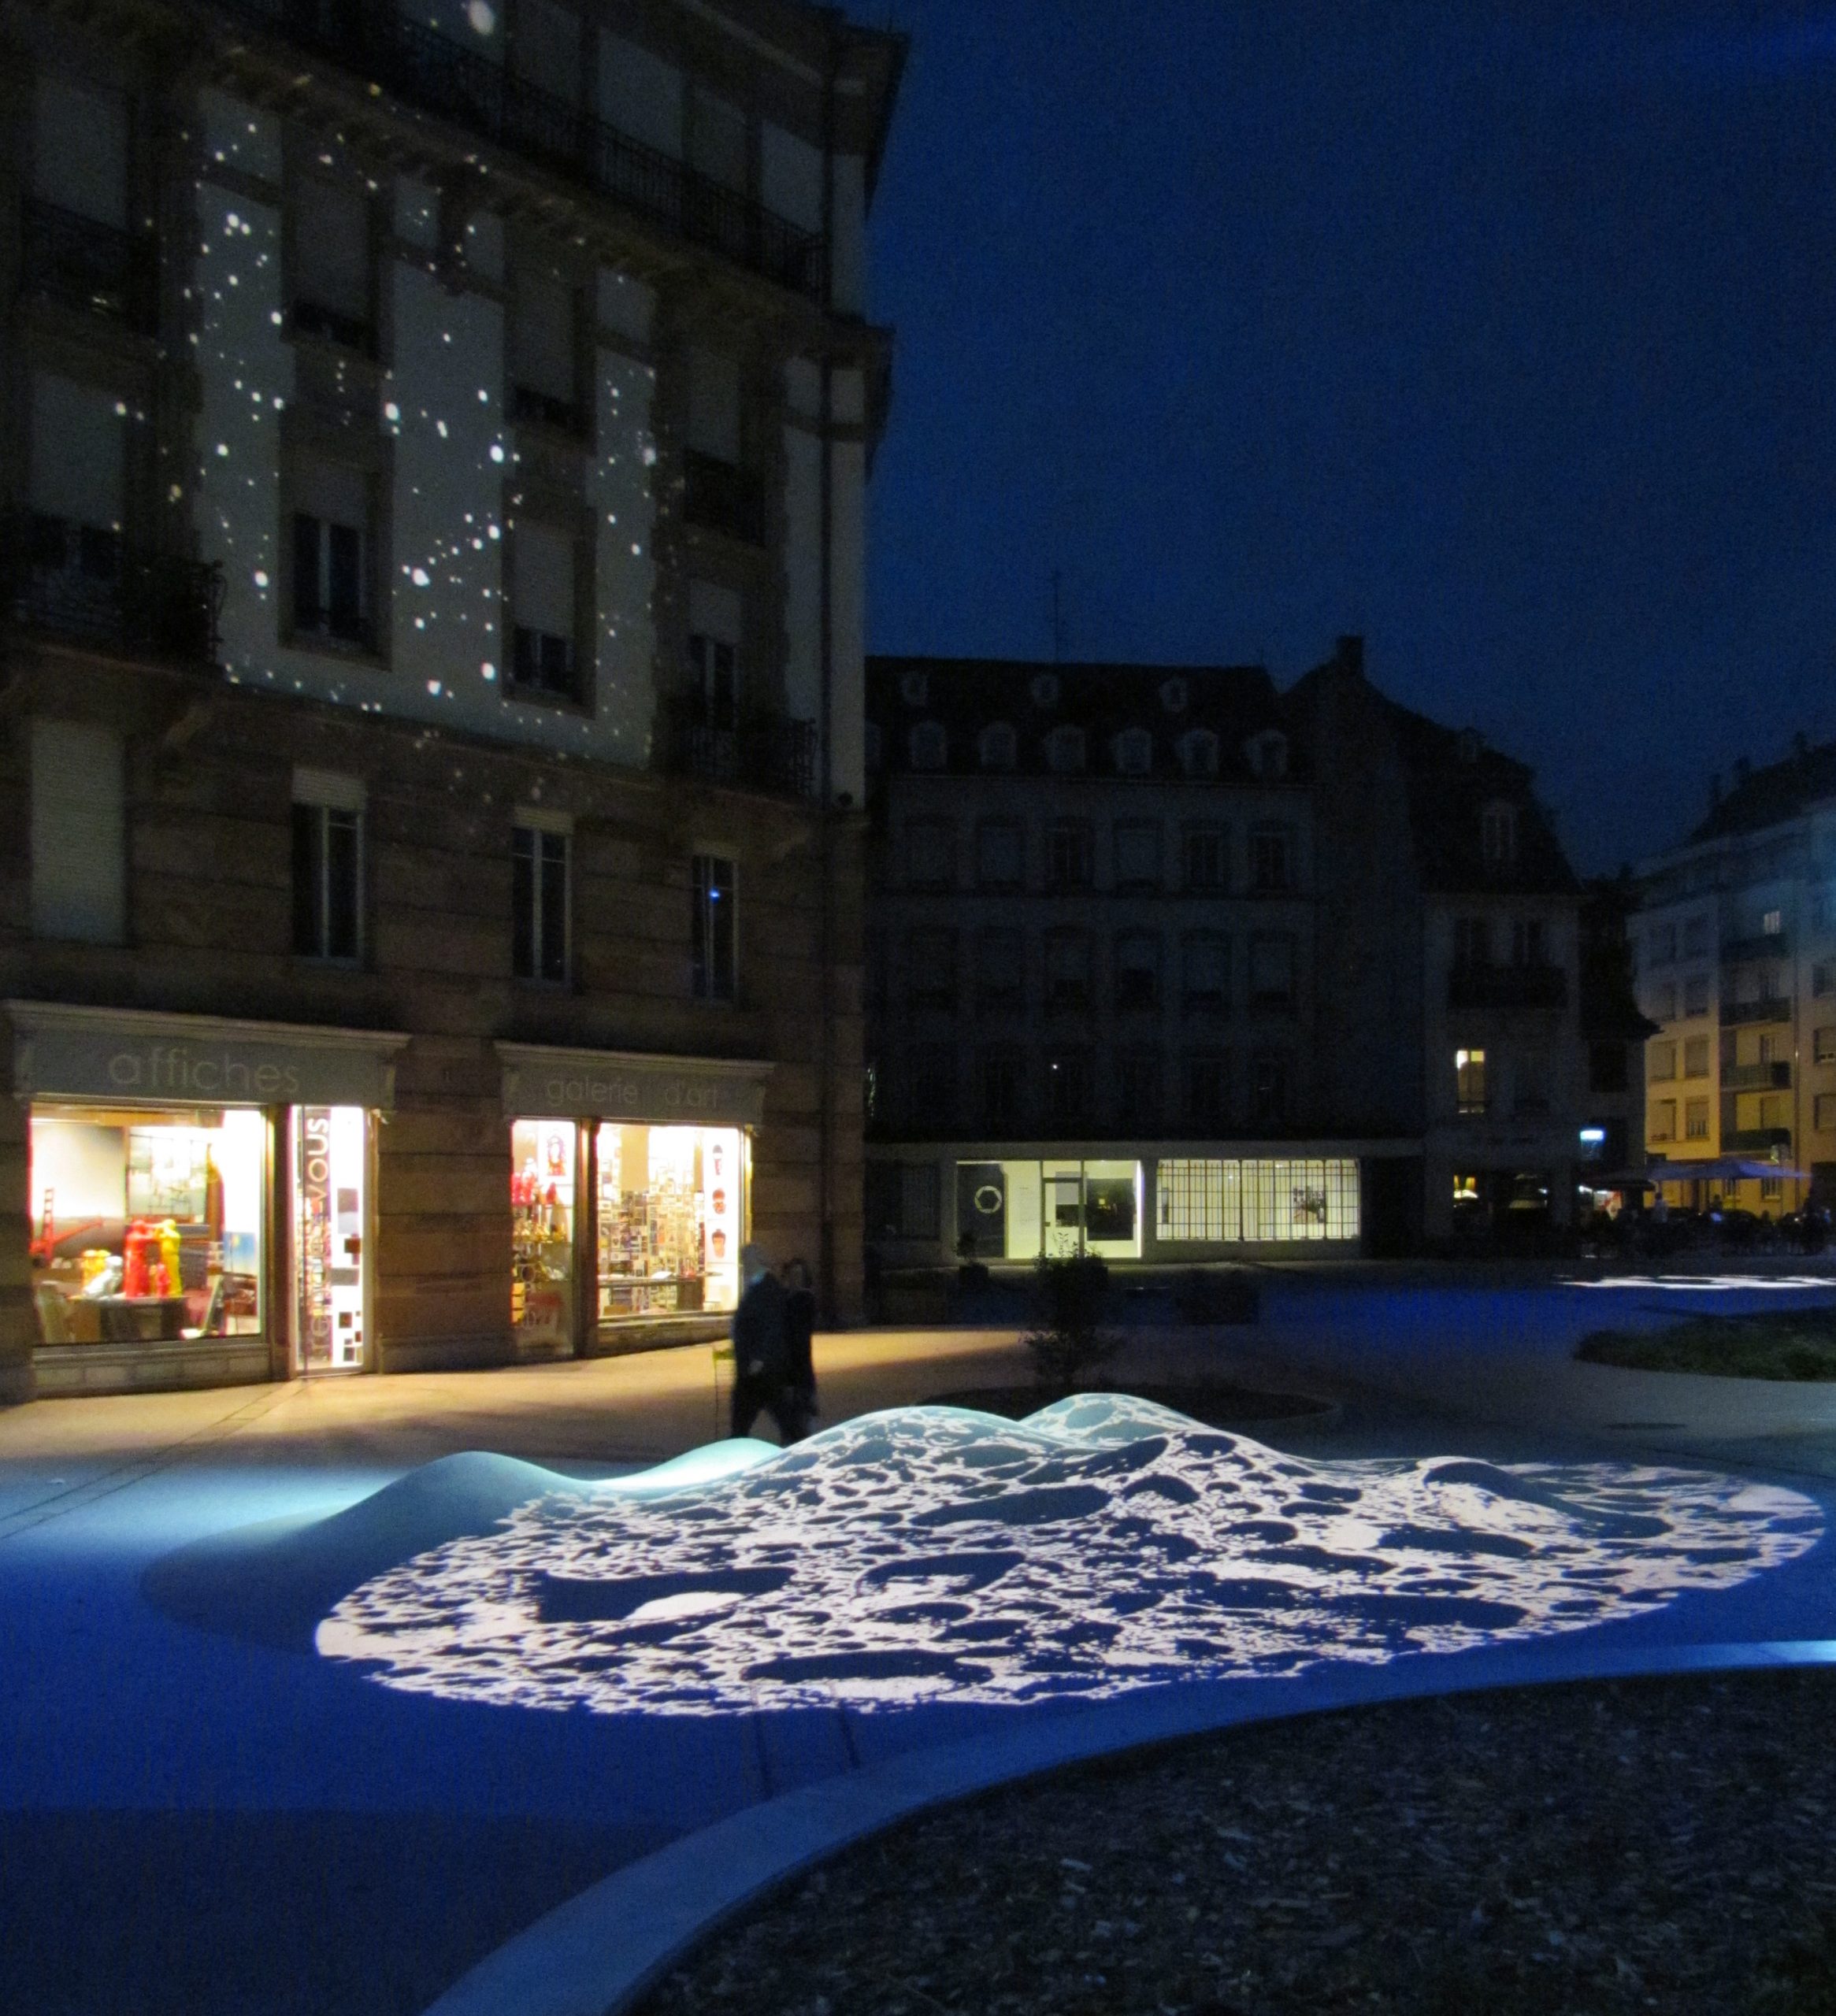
826 761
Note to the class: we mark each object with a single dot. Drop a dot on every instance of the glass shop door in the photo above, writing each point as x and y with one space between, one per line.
331 1197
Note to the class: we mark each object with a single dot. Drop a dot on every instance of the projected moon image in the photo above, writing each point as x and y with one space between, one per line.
1102 1545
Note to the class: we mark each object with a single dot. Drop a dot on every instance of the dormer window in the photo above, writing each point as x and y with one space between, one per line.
1198 753
1064 751
1134 752
1268 753
997 746
1498 835
1044 689
929 747
914 688
1174 695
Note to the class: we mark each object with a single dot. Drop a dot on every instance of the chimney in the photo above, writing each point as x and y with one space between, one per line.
1351 655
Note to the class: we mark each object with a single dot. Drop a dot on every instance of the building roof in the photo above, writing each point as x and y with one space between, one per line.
1773 794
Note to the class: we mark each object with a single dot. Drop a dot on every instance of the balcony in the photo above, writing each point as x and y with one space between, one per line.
1776 1008
723 497
756 752
1755 1140
431 70
1756 1077
1507 987
1768 945
90 586
95 267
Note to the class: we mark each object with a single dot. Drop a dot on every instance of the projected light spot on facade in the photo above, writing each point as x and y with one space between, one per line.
1103 1545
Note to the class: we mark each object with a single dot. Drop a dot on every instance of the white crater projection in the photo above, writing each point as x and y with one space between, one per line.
1104 1544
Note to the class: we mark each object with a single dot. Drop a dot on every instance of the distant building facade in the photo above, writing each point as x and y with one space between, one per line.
432 636
1163 964
1735 945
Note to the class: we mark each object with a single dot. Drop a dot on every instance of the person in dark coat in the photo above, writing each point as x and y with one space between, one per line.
799 1398
761 1345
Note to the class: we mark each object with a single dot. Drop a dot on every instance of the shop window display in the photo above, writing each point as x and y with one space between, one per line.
543 1154
669 1220
331 1151
146 1227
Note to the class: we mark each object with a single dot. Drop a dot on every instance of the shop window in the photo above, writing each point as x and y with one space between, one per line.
1469 1077
333 555
1137 970
331 1179
1137 1089
1301 1201
1270 1074
903 1201
930 969
1002 1091
1068 853
1271 970
1205 972
670 1219
544 1155
1696 1120
544 353
1000 969
930 854
1000 853
333 281
544 613
1137 854
78 833
1207 1090
1271 860
1695 1058
1198 1202
538 902
327 867
715 934
1207 855
146 1227
1067 970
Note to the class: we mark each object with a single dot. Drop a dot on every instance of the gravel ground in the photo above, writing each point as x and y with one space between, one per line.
1601 1849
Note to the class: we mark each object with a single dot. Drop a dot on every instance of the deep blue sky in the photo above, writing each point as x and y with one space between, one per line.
1500 331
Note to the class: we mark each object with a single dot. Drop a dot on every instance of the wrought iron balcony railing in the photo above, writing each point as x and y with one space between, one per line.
96 267
726 498
755 752
88 584
431 70
1507 987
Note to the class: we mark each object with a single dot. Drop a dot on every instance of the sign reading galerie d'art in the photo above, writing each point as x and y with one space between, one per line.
690 1092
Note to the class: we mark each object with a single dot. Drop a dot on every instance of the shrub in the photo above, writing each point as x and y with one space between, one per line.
1067 1341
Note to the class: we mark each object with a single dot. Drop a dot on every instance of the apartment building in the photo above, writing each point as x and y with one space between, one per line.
432 647
1166 964
1736 955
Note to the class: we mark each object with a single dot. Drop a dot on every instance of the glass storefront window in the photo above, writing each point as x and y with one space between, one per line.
1016 1211
146 1226
1270 1202
543 1154
669 1219
330 1158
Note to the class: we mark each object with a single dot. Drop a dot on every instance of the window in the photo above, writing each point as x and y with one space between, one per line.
1771 924
1606 1067
332 555
1267 754
1003 1088
1530 1082
1067 853
332 285
1206 1087
1695 1058
903 1200
1137 1088
1695 937
79 455
78 833
1067 1088
1174 695
717 139
1137 854
1205 963
930 969
1663 1120
1000 969
1663 997
1696 1120
930 1087
713 682
538 902
1198 753
546 48
1133 752
1824 977
1825 1113
1664 944
929 745
1269 865
1472 942
1000 853
930 854
997 747
1660 1061
1064 751
1044 687
1271 970
544 612
1067 969
1696 994
1526 942
1772 1112
1269 1076
1823 1045
328 866
1771 1189
1137 970
79 150
1207 859
544 350
1498 835
1469 1080
715 932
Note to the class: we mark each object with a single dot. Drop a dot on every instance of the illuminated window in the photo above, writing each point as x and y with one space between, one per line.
539 900
714 939
1469 1072
1772 924
1207 858
333 291
544 611
1498 835
328 866
333 555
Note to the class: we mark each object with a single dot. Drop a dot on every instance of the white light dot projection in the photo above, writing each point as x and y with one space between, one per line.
1103 1545
624 571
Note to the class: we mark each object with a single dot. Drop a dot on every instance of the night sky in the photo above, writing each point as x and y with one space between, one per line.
1501 333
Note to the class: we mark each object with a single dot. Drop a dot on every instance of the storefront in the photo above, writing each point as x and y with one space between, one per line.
200 1194
630 1195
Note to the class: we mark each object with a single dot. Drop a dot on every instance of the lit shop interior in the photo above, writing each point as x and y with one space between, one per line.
663 1234
1020 1210
153 1227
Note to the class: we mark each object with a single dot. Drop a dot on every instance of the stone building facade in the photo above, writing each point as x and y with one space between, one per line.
430 893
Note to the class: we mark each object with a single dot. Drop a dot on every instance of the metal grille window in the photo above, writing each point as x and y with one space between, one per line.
328 879
715 934
1277 1201
538 903
1208 858
1198 1201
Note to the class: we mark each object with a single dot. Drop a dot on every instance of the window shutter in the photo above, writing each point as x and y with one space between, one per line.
545 338
80 150
542 581
331 249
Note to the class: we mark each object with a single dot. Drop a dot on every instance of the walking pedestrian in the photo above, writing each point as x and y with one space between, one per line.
800 1408
761 1344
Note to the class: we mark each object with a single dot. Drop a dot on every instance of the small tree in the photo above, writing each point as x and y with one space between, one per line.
1067 1341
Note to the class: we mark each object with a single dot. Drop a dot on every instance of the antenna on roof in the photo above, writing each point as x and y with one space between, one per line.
1058 619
